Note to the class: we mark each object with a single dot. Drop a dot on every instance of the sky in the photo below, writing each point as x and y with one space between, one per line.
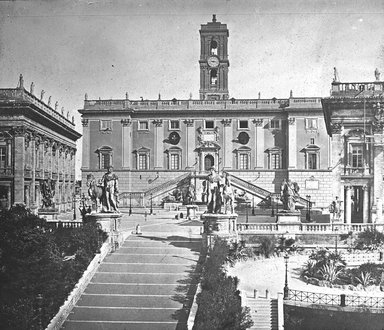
107 48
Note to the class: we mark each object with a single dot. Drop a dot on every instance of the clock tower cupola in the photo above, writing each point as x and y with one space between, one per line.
214 61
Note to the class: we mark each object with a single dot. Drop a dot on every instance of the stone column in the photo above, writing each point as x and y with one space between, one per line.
126 143
259 133
378 161
348 204
190 136
365 204
32 148
19 158
227 143
158 144
86 145
292 143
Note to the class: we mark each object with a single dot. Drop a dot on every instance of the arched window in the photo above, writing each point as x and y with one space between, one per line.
105 157
213 77
213 47
209 162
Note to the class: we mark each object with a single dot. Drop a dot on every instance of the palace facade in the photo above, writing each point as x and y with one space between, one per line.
37 144
157 145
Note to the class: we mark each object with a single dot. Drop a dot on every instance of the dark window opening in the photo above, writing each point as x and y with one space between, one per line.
213 77
213 47
209 124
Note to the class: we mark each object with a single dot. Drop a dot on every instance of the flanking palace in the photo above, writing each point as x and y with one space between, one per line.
331 147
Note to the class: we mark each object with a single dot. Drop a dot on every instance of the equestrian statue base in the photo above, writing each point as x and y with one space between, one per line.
50 214
219 224
289 221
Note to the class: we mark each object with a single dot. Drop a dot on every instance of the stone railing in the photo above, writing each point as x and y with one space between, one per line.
317 228
362 257
231 104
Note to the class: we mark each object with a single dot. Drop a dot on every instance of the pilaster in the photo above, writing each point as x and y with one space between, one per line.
348 210
126 143
259 145
292 143
86 145
227 143
190 136
158 143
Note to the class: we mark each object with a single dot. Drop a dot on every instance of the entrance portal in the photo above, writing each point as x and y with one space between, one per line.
209 162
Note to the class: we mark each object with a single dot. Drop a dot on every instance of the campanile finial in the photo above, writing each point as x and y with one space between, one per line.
214 18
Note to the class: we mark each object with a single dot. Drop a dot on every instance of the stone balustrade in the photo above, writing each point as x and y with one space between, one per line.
325 228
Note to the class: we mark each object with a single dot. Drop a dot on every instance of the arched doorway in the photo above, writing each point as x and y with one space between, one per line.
209 162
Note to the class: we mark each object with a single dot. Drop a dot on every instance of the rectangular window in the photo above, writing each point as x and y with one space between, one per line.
3 155
243 124
174 124
310 123
357 156
143 125
105 160
243 162
175 162
209 124
275 161
106 125
275 124
142 162
312 161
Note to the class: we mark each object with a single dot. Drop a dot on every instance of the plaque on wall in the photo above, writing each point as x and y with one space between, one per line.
312 184
209 137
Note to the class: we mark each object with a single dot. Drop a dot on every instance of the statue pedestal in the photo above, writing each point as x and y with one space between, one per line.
110 223
219 223
48 214
172 206
289 221
191 211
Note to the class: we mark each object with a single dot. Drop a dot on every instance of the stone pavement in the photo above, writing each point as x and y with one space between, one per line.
148 283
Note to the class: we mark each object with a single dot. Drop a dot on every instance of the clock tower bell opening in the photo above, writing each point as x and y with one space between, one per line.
214 61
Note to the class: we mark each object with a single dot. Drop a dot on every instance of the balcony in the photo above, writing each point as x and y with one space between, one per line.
54 175
356 172
38 174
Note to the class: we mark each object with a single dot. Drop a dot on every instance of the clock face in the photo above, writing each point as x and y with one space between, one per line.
213 61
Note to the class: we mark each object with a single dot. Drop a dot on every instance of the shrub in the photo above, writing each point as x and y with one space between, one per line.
330 272
219 303
365 279
267 245
369 239
32 258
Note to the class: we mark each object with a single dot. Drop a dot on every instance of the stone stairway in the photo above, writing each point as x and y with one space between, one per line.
147 284
264 313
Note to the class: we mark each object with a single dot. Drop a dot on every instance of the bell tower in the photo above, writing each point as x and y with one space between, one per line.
214 61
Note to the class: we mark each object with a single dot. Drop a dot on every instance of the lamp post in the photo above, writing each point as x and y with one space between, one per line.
151 209
286 289
74 206
130 203
246 211
253 205
336 230
277 205
308 208
272 206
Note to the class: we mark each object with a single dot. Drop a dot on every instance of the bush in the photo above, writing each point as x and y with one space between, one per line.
32 264
219 303
267 245
370 239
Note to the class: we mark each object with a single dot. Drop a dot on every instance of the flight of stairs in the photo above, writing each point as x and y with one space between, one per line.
264 313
